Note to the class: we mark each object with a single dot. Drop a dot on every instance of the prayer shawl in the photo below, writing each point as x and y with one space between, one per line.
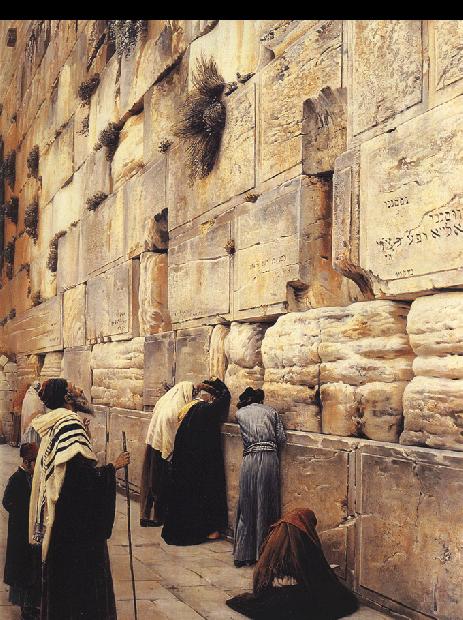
164 422
63 437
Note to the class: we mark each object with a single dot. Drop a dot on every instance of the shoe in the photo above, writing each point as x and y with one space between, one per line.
150 523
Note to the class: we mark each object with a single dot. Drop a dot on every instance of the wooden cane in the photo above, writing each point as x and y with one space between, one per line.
129 529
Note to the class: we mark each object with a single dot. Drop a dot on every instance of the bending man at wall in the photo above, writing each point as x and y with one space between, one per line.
72 513
259 502
197 507
156 473
292 579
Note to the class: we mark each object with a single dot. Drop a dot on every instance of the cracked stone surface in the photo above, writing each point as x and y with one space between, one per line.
172 583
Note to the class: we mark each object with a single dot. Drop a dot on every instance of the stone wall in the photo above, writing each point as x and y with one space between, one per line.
314 260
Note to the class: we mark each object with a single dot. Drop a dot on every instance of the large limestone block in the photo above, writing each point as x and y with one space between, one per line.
159 370
192 348
244 342
98 430
161 108
72 266
291 363
218 357
28 368
145 217
74 316
417 556
112 303
151 59
233 43
410 215
82 146
39 329
233 172
283 245
135 425
67 206
77 368
104 105
103 234
91 178
56 163
366 342
118 374
449 56
153 315
199 274
433 408
386 69
52 366
312 62
128 158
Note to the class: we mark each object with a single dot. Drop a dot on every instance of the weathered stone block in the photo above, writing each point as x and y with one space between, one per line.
433 407
103 234
417 559
112 303
98 430
77 368
410 214
118 374
38 329
74 316
72 259
199 274
387 69
309 64
159 366
56 163
128 158
104 105
145 218
153 315
192 354
52 366
135 424
234 170
449 55
91 178
218 358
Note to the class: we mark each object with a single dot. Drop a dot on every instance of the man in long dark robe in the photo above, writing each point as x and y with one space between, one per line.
22 562
197 507
292 579
72 513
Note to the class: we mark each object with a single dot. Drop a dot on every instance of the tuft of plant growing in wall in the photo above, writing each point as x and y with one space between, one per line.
83 131
52 261
25 267
124 34
94 201
33 162
8 255
251 197
36 299
12 314
11 209
164 145
202 119
109 137
9 168
88 88
230 247
31 220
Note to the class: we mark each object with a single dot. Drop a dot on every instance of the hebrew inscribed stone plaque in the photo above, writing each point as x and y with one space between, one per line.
411 203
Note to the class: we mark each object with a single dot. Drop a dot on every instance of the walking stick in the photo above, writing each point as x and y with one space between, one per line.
129 529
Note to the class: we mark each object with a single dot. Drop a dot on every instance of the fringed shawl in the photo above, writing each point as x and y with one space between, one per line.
63 437
164 421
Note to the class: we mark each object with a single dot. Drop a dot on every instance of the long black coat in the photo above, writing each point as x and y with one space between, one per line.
197 503
22 565
77 580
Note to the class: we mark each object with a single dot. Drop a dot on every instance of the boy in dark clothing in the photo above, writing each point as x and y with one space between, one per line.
23 562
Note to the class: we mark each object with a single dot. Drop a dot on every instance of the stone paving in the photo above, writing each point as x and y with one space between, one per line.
172 583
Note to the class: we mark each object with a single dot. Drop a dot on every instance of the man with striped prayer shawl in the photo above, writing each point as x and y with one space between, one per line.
72 513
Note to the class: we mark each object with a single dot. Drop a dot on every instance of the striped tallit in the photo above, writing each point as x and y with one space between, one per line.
63 437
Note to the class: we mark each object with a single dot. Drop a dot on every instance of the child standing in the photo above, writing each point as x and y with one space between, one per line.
23 563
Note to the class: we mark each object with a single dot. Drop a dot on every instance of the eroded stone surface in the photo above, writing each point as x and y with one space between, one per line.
449 58
52 366
218 358
152 294
159 366
74 316
118 374
432 400
387 70
128 158
38 329
77 368
192 354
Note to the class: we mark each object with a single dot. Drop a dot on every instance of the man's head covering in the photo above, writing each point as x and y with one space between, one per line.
213 386
53 392
28 451
250 396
